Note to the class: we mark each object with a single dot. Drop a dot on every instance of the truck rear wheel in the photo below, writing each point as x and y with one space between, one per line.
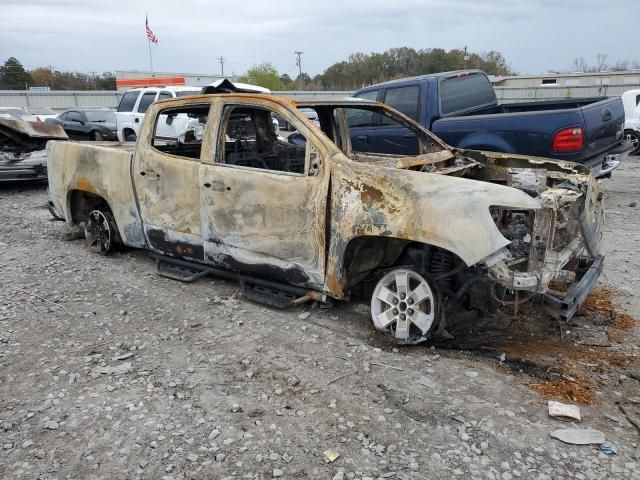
101 232
405 305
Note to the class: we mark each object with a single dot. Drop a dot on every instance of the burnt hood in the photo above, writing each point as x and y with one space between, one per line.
18 136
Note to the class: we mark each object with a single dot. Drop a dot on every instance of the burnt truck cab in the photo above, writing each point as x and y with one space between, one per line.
422 233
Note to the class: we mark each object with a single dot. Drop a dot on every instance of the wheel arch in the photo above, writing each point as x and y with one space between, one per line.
365 254
81 202
486 141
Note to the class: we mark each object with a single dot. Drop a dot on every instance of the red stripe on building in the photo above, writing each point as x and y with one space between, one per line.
149 82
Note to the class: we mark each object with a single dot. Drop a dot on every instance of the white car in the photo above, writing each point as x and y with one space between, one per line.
41 113
19 112
134 104
631 102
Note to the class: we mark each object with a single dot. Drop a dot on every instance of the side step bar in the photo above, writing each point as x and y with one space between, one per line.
276 294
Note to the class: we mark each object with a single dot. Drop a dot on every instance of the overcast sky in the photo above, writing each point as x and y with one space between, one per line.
107 35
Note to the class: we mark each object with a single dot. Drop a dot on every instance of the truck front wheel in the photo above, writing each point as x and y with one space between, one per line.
405 305
100 232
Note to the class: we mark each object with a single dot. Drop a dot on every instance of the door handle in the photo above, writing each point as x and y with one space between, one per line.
606 115
207 185
362 138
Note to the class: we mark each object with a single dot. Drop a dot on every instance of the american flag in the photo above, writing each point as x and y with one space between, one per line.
152 38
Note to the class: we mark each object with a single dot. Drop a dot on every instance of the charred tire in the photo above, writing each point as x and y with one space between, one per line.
634 138
405 305
95 136
100 232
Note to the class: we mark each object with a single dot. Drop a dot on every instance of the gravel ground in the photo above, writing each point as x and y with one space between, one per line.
110 371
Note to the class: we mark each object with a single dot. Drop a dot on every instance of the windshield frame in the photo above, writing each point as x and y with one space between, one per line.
428 142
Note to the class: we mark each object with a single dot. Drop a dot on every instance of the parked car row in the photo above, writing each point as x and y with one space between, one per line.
87 124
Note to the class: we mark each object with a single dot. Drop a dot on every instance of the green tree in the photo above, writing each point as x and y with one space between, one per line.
13 76
264 75
287 82
362 69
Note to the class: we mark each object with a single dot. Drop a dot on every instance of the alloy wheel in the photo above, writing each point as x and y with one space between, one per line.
404 304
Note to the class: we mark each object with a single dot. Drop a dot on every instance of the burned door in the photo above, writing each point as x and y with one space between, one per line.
165 175
263 198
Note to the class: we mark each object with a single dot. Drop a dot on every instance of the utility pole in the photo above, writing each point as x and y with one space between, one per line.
221 60
466 57
299 63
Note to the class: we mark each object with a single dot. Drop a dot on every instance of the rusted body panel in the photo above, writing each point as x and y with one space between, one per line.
298 227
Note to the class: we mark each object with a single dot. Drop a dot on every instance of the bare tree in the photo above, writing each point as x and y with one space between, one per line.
580 65
601 62
621 66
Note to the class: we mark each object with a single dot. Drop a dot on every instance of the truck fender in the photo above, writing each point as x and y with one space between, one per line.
485 141
428 208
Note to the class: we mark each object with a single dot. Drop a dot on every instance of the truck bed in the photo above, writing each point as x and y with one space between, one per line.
537 106
530 127
102 169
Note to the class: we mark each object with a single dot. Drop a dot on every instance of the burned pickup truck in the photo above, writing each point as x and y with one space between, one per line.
421 235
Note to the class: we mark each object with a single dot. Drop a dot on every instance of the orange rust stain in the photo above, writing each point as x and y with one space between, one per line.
84 184
370 194
335 287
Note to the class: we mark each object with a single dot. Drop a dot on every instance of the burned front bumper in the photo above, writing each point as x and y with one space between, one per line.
564 306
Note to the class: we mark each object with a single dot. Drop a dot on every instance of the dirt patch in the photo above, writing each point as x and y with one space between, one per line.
578 392
548 355
624 321
599 308
598 302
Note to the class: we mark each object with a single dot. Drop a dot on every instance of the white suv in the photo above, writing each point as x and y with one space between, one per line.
134 104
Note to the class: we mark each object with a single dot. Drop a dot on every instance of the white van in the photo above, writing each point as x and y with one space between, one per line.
631 102
134 104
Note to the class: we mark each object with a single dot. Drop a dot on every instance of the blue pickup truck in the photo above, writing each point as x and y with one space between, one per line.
461 108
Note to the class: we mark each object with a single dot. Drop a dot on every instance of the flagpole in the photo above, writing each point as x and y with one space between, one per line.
150 57
146 21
